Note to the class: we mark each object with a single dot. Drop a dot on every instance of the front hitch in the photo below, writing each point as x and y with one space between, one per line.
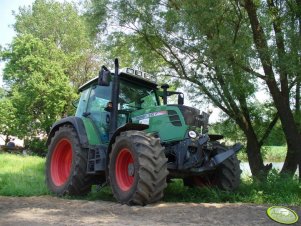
217 159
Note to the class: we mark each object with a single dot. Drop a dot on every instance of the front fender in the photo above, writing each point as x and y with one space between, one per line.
126 127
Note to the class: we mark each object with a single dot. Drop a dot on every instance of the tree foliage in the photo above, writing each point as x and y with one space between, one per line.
61 24
8 120
40 91
213 45
49 59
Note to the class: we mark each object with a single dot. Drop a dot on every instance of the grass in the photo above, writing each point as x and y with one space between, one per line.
24 176
270 154
276 191
274 153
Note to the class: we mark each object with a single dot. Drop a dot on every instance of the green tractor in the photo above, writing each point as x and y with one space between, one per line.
123 135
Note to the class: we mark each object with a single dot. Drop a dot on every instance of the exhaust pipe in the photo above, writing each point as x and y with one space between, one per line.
114 98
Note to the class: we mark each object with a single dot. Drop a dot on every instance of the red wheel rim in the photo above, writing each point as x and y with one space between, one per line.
61 162
124 169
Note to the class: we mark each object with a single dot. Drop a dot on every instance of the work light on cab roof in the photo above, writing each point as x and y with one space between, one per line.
139 73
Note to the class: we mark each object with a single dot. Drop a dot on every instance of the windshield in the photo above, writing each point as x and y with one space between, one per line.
133 97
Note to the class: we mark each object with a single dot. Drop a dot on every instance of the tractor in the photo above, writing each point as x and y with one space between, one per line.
125 134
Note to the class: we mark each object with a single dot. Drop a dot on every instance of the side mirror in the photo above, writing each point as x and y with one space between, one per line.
104 77
180 99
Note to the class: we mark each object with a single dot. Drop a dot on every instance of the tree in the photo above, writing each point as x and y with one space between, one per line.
279 73
62 24
205 43
40 91
2 92
8 120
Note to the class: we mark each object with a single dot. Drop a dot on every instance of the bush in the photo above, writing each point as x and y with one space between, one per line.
37 146
269 154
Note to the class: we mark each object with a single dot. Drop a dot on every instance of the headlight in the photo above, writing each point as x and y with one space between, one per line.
192 134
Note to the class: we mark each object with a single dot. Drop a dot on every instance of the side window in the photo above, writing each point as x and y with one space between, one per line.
99 97
82 104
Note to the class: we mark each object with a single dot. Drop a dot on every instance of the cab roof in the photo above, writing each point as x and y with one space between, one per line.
128 74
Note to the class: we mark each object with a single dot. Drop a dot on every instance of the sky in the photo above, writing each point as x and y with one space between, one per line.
6 21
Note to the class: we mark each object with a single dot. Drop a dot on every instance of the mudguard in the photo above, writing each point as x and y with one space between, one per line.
77 123
126 127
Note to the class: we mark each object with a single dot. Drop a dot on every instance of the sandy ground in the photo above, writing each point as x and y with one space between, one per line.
48 210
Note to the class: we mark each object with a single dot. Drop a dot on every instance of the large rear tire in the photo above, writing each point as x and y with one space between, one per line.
137 168
66 164
226 177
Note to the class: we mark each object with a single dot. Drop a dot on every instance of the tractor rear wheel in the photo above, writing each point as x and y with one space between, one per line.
66 164
226 177
137 168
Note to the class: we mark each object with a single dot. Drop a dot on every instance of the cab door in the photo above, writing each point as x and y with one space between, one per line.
97 102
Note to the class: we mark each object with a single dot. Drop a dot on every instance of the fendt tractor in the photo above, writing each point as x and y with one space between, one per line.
123 135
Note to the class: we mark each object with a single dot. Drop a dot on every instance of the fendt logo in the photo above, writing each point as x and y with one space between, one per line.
149 115
282 215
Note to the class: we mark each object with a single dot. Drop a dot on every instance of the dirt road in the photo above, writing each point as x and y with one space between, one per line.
48 210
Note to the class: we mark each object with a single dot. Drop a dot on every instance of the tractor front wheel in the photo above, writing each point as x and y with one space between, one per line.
137 168
66 164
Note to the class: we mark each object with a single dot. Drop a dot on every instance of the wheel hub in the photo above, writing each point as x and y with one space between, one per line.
131 169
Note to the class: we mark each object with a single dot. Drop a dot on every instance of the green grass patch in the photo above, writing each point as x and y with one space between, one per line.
270 154
277 191
274 153
22 175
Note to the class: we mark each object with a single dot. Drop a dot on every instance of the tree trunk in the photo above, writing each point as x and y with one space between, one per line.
290 129
7 139
281 100
258 169
293 139
297 105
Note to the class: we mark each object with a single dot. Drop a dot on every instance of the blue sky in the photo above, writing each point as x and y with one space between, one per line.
6 20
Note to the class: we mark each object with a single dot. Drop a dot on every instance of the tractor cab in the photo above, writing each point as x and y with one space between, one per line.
135 95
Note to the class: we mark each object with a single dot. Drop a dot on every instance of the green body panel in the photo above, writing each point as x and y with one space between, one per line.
92 135
159 122
156 117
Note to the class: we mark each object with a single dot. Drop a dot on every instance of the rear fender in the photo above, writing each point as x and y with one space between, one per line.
74 121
